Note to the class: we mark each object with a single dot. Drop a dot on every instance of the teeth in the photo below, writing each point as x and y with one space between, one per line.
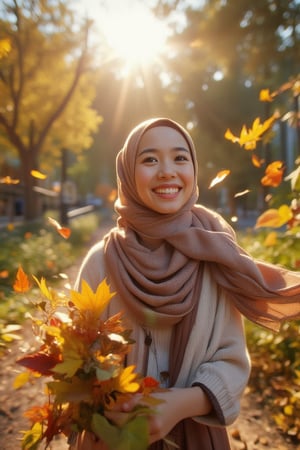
166 190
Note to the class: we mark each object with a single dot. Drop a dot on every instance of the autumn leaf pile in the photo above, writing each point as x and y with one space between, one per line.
82 359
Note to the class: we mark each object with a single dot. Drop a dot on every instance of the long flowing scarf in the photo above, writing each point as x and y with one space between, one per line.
162 286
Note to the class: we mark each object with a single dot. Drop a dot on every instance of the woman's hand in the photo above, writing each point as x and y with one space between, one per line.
88 441
177 404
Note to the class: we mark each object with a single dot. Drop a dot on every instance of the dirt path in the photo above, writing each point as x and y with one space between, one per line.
252 431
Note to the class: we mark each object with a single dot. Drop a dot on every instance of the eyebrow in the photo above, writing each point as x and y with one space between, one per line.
154 150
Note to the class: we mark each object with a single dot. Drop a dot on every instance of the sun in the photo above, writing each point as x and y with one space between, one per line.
132 32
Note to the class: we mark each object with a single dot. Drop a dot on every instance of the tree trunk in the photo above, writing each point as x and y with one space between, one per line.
32 201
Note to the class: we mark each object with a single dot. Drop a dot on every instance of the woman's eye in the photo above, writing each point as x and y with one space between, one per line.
181 158
149 160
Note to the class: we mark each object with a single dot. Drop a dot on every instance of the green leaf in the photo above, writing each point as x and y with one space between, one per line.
132 436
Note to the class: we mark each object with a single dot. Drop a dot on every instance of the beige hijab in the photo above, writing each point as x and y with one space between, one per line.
162 286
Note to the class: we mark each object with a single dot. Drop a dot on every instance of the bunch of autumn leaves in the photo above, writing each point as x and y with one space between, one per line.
82 358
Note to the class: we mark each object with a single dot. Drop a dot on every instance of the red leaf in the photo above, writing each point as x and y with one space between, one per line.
39 362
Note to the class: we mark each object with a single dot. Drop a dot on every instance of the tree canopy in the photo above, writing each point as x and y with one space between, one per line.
46 89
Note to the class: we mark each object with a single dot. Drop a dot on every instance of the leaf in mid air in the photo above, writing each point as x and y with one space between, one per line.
256 161
9 180
275 218
249 137
88 300
273 174
37 174
21 283
63 231
265 95
219 178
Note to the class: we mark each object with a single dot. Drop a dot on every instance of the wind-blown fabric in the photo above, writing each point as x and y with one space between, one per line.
160 286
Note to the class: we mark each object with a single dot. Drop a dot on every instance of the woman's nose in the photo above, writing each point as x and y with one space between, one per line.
166 171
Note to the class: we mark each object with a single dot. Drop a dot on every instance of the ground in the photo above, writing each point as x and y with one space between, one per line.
254 429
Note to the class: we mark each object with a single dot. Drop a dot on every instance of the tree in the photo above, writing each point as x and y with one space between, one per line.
46 89
223 54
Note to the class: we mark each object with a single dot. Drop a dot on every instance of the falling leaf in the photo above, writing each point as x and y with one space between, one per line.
219 178
248 137
4 274
21 283
5 47
9 180
240 194
274 217
265 96
63 231
38 174
256 161
273 174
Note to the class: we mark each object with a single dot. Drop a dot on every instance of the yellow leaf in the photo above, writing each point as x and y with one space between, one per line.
289 410
32 436
21 379
230 136
127 380
219 178
274 217
271 239
37 174
265 96
5 47
50 295
92 301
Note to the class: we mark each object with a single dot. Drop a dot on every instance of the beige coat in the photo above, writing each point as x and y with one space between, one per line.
216 356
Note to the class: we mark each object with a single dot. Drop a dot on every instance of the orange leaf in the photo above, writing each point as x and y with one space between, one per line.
219 178
4 274
274 218
273 174
265 96
37 174
256 161
37 413
21 283
63 231
9 180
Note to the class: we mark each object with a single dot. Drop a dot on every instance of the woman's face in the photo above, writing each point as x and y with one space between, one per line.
164 170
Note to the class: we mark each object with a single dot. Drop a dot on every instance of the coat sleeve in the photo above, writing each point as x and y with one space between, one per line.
217 358
92 268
